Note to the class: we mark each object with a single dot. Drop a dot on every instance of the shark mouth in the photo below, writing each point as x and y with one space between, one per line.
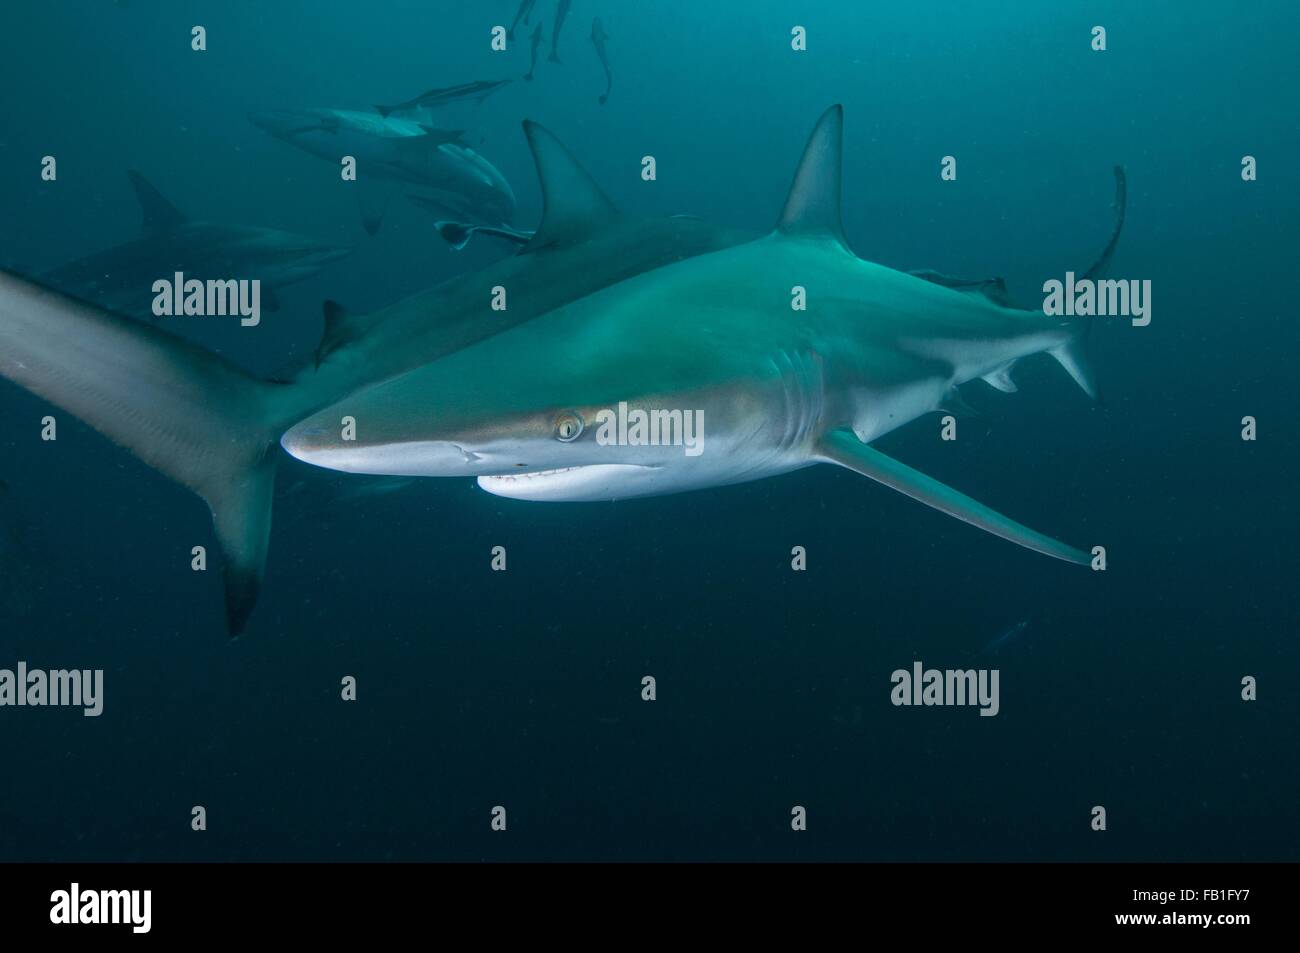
601 481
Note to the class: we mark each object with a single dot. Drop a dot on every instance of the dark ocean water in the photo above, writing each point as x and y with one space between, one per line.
522 688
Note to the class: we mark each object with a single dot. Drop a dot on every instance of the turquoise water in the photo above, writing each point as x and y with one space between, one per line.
523 689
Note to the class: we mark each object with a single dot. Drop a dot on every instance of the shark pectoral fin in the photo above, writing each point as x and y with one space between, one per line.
573 205
954 403
842 446
1001 380
270 300
156 212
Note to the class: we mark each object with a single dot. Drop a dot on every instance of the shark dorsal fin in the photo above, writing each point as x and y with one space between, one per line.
812 209
573 205
995 289
156 212
433 136
340 328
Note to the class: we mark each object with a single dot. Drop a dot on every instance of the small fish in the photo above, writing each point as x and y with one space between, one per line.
537 41
477 90
598 38
524 11
458 234
1005 637
561 12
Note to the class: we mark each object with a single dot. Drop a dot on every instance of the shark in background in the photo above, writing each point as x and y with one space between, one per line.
210 426
390 150
429 398
121 278
476 91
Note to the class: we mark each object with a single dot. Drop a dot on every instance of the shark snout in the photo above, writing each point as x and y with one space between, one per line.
337 448
283 122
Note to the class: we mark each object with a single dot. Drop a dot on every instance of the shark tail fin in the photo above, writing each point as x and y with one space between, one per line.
1073 354
185 412
1120 206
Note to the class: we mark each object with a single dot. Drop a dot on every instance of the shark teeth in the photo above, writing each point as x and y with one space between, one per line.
512 477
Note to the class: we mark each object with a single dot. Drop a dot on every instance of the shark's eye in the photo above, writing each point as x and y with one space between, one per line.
568 426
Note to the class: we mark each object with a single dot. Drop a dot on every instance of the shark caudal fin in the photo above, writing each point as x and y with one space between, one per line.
1073 354
182 410
843 447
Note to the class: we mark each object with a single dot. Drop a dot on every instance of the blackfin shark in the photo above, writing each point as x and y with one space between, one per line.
394 149
208 425
710 343
211 427
121 278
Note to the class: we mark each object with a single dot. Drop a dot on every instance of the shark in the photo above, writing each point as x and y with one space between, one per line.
208 425
715 340
121 277
392 149
477 91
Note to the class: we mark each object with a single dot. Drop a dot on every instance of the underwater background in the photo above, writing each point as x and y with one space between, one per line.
523 688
